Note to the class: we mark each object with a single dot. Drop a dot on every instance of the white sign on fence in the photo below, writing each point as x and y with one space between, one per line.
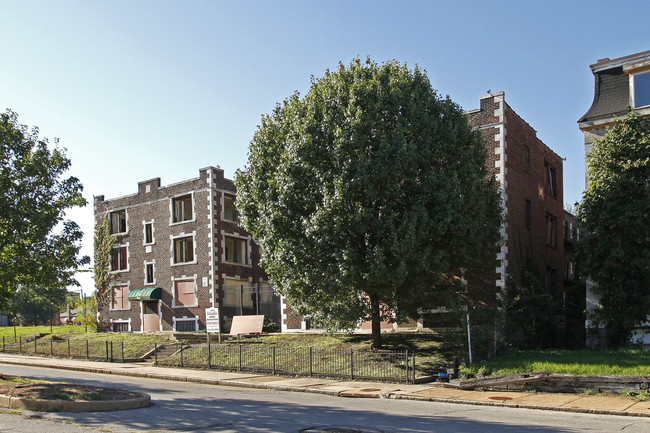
212 320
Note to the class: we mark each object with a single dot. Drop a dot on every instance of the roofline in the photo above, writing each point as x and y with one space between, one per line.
606 63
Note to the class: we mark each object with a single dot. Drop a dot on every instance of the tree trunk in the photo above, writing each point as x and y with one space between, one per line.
376 322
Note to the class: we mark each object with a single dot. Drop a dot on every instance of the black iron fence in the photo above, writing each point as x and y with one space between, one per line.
259 358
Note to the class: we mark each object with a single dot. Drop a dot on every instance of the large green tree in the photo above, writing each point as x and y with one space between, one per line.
38 247
368 195
615 213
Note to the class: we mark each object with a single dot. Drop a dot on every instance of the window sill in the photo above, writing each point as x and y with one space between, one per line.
238 264
120 309
182 222
184 263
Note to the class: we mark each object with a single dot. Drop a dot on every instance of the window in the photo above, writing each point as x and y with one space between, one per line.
568 230
184 295
185 325
182 208
148 233
118 221
119 259
641 89
119 297
551 231
229 210
184 250
149 279
120 326
550 178
234 295
529 214
236 250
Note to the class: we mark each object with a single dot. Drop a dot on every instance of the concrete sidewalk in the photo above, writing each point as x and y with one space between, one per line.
435 392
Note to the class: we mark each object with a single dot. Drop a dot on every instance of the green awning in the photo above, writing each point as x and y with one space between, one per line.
151 294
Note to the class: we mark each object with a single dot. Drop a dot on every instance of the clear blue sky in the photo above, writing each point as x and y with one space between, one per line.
161 88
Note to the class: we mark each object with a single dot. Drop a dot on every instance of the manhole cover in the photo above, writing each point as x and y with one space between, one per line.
501 398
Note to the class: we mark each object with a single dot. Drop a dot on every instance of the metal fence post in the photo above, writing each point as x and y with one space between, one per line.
406 359
352 364
3 343
35 351
87 352
155 354
413 366
239 358
181 354
209 354
68 348
112 358
20 345
106 350
122 344
311 369
273 351
51 346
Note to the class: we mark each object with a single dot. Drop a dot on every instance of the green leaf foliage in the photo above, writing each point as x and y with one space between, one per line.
615 214
367 194
33 201
33 305
103 246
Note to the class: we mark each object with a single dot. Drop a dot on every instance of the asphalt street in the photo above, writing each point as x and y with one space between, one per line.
183 406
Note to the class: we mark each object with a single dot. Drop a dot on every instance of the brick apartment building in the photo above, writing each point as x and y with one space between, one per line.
180 251
530 181
529 175
621 85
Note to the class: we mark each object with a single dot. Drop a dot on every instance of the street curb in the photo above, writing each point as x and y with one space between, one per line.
38 405
344 394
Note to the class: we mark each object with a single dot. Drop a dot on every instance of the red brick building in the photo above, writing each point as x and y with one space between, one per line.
181 250
529 175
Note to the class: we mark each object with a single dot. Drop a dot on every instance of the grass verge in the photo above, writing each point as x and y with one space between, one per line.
575 362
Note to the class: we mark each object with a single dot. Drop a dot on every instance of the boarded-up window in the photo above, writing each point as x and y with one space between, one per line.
183 250
185 325
119 297
119 259
118 222
236 250
182 208
184 293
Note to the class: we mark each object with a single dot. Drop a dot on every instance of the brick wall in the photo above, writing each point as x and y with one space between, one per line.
207 271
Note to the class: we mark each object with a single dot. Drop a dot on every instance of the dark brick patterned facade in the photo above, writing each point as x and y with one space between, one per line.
207 271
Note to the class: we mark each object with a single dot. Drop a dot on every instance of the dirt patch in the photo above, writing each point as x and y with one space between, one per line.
33 389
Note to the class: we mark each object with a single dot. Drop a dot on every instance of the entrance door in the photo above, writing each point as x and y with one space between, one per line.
150 317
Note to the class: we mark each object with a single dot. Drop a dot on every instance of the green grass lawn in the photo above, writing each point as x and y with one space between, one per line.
575 362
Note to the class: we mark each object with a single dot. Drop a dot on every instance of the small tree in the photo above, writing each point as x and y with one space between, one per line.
33 201
615 213
367 194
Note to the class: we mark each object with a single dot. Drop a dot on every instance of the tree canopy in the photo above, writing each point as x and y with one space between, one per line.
368 195
38 247
615 213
